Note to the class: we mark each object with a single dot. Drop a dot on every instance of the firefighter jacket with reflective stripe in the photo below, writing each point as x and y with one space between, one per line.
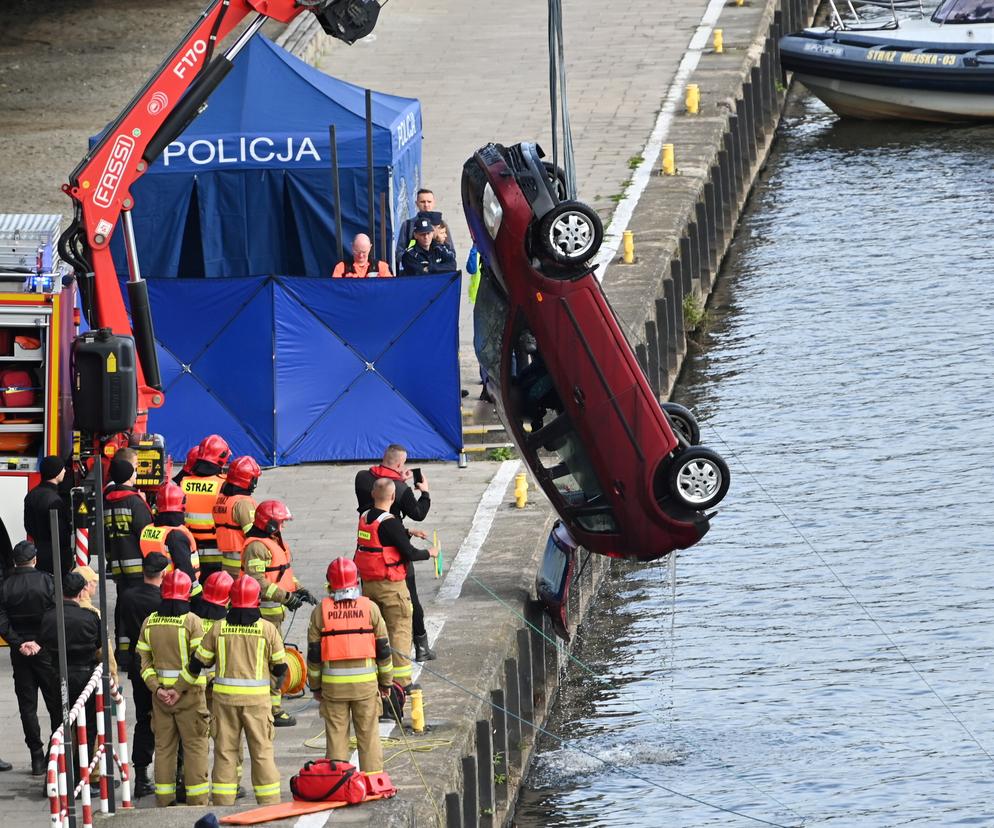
375 561
233 515
266 560
165 645
201 494
154 539
348 651
125 515
243 657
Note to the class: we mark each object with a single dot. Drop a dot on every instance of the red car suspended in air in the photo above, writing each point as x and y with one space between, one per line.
624 473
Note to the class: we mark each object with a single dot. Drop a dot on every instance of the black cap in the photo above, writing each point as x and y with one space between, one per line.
51 467
73 584
24 552
435 217
154 563
423 224
121 470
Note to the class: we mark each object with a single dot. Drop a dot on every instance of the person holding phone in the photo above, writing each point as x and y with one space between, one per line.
393 466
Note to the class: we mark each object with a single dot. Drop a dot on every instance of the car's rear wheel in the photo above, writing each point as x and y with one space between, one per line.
570 233
698 478
683 420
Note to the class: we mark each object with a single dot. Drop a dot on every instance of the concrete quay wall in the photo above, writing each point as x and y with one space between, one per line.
509 666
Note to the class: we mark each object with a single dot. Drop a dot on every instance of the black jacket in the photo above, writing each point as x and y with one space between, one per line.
37 504
438 258
24 598
82 635
405 504
125 515
134 606
393 533
177 544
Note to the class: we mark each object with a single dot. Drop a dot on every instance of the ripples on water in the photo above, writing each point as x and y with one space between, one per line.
847 376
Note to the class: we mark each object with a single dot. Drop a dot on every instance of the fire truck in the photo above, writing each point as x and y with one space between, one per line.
102 384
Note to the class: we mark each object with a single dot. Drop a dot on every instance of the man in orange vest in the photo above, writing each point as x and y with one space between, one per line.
168 535
267 559
358 265
234 512
349 666
383 553
202 488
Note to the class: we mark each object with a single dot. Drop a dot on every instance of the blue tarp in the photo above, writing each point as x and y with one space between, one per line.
247 188
294 370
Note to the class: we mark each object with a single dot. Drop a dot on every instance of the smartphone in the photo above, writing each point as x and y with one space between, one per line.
416 476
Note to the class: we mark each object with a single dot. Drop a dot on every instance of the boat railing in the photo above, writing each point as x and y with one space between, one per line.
855 21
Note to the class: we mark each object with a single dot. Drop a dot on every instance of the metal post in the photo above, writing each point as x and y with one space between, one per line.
513 707
500 745
453 811
383 227
470 806
485 768
97 548
67 703
337 192
370 195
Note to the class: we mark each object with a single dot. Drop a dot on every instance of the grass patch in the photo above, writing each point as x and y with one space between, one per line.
635 161
501 453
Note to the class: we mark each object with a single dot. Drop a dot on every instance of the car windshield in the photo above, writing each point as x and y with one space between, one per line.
965 11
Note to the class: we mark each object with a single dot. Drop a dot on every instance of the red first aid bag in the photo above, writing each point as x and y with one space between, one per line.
328 780
16 388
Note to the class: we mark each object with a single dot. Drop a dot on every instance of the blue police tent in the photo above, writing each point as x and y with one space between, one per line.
247 187
295 370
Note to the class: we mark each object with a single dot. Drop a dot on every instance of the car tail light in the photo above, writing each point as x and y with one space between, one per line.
492 211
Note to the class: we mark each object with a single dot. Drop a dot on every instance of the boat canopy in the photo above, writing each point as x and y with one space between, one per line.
964 11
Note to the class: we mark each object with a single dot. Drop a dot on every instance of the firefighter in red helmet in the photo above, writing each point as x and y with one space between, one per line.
234 512
168 535
267 558
202 488
191 459
167 641
213 607
253 650
349 666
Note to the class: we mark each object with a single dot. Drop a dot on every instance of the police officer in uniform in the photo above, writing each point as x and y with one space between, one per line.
383 553
168 639
349 666
426 255
253 650
25 597
268 559
202 488
169 536
136 605
234 512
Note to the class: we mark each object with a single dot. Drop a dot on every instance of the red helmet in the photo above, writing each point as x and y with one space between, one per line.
342 574
244 472
270 516
192 456
244 593
214 449
176 584
169 498
216 588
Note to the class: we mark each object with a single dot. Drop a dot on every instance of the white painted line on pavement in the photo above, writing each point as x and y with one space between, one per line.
462 565
640 178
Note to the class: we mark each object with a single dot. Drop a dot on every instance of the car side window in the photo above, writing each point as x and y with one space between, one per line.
489 321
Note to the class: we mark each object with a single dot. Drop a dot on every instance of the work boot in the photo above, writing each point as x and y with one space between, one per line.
422 652
239 792
143 785
39 762
282 719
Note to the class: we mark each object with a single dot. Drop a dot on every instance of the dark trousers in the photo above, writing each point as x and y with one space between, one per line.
418 621
123 647
143 746
31 674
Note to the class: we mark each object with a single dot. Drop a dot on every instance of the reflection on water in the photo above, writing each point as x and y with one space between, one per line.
847 379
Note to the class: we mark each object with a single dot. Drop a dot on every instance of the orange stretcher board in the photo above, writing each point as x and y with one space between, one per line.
285 810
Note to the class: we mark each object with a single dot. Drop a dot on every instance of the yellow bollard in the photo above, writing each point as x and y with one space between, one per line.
693 98
417 709
628 242
739 2
719 41
669 160
521 490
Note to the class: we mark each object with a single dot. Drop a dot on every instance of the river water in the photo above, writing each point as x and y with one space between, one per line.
846 376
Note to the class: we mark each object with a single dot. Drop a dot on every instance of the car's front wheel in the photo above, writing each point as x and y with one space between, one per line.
570 233
683 421
698 478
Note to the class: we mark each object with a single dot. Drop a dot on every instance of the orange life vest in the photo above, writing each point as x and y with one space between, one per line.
375 561
230 536
153 539
347 631
201 494
279 571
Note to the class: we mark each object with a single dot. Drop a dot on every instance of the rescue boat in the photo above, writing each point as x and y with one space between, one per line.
938 68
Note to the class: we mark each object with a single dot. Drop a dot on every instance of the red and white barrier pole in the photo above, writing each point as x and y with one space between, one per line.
102 748
123 758
82 547
84 768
